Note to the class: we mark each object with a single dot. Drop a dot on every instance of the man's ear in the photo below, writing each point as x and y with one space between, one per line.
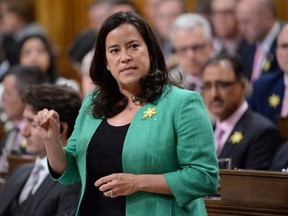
63 132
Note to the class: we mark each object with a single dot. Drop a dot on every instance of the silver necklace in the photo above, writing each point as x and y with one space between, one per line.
133 104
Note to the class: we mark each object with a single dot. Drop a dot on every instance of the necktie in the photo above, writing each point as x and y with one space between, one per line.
219 132
8 148
284 111
30 183
258 57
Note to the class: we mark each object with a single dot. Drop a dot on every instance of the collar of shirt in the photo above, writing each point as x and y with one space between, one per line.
42 161
194 79
43 173
228 124
15 124
286 80
230 46
270 37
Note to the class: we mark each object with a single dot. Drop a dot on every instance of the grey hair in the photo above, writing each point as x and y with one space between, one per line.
191 21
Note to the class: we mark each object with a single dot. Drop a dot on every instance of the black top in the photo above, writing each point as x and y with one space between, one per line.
104 157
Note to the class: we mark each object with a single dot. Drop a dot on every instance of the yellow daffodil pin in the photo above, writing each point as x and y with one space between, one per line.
274 100
23 143
236 137
149 113
266 65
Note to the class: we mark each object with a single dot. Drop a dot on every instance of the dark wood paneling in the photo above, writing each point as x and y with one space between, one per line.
250 192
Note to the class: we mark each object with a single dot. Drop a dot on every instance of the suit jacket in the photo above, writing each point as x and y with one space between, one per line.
280 160
12 133
51 198
177 142
256 149
267 95
8 142
270 63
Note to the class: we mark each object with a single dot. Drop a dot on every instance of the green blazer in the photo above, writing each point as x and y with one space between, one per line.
177 142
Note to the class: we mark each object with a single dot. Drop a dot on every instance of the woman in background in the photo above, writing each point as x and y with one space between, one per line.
35 49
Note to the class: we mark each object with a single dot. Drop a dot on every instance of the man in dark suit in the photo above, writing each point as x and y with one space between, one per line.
15 81
259 27
280 160
267 96
45 197
248 138
227 38
269 91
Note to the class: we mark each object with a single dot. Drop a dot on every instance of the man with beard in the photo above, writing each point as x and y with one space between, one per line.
248 138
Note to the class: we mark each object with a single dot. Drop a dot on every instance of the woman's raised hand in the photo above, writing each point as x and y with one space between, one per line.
48 123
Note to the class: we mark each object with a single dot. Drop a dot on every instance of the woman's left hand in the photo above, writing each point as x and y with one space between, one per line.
118 184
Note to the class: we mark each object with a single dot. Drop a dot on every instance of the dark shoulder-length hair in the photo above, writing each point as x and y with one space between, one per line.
107 99
51 74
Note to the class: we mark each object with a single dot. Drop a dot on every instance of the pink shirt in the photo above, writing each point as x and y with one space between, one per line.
228 124
195 80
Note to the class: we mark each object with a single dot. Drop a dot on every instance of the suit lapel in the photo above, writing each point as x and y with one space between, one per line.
15 185
230 145
35 200
44 188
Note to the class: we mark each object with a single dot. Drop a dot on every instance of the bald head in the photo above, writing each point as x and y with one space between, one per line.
224 19
256 18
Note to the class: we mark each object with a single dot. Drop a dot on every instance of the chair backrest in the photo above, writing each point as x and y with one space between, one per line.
282 124
17 160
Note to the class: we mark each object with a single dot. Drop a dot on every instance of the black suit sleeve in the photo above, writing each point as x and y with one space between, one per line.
280 160
263 147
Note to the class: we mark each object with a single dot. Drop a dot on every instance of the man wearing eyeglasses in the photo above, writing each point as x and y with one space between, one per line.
191 38
227 38
246 137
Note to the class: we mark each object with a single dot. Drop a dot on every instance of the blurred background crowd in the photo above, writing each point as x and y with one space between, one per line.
58 37
234 53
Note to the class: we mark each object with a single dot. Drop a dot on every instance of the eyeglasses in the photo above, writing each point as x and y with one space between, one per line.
220 85
196 48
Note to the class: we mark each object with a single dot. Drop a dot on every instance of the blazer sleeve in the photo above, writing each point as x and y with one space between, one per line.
71 174
196 152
